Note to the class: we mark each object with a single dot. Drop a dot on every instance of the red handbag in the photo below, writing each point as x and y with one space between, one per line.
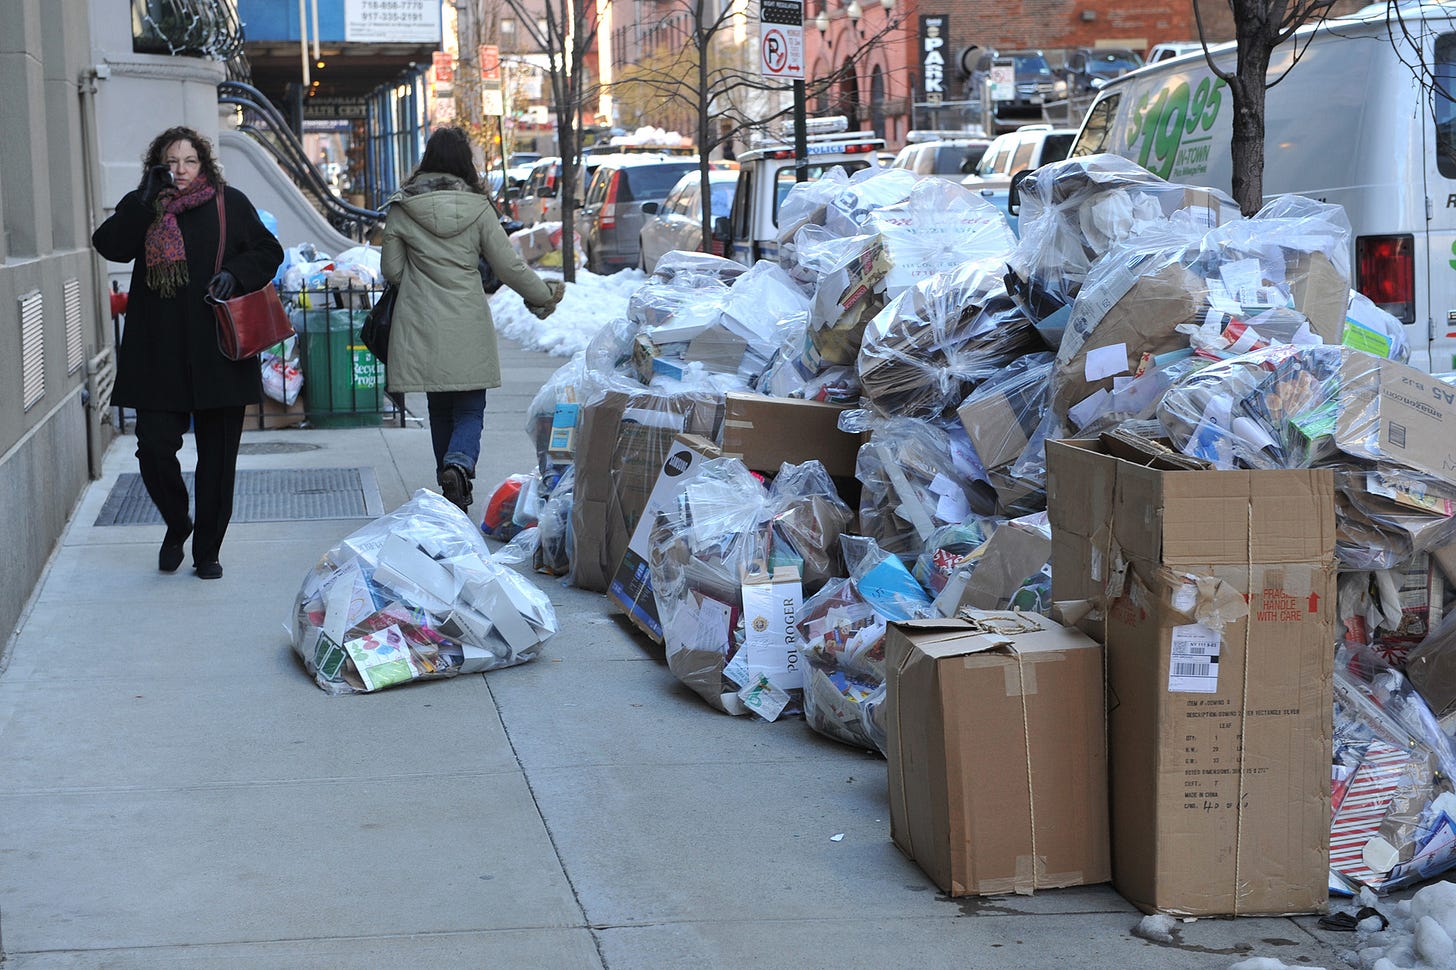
248 324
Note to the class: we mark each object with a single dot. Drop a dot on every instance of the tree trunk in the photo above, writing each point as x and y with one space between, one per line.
566 136
1246 148
705 189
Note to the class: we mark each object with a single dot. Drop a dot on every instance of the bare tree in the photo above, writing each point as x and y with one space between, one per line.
718 82
565 30
1259 27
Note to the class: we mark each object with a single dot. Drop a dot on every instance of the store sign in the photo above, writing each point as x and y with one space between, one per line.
392 21
317 108
781 38
934 35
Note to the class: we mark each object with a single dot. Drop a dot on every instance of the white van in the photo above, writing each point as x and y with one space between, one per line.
1352 123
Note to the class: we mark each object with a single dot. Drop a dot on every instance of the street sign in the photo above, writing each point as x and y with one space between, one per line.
934 29
490 63
1003 82
492 102
781 38
444 63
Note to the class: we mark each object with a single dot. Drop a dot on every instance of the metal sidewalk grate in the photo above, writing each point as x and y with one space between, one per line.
263 495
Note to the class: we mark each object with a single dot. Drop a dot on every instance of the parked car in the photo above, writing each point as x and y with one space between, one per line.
1089 68
952 158
611 217
1012 86
540 196
1175 48
676 223
1028 147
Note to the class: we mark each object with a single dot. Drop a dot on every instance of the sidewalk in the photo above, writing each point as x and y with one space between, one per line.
177 792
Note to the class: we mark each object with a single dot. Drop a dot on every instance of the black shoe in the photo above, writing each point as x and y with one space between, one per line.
170 556
455 484
208 570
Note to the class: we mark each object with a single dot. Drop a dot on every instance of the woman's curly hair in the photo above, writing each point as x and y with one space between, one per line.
205 155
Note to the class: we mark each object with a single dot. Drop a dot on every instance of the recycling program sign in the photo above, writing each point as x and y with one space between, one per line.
781 38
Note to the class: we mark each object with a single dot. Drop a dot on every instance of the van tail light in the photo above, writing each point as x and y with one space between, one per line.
1385 272
607 218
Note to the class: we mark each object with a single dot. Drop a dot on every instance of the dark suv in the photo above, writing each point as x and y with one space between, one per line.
611 218
1011 87
1089 68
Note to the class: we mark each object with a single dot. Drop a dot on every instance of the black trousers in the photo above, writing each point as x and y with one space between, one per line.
218 432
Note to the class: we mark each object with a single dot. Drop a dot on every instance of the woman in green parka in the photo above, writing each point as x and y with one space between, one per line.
440 226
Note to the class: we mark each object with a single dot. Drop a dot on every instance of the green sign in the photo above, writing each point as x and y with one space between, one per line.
1174 127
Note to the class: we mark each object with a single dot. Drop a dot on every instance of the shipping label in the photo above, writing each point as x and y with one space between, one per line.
1193 659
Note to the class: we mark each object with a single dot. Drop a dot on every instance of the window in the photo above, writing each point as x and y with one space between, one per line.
722 198
1097 129
995 161
1443 104
653 181
508 27
1023 155
785 179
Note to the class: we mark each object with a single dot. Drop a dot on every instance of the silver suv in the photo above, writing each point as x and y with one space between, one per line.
611 218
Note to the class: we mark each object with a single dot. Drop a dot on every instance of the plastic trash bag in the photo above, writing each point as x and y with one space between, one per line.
415 595
726 561
1394 813
916 477
929 346
937 228
554 545
282 380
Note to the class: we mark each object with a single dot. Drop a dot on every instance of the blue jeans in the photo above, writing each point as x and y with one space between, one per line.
456 420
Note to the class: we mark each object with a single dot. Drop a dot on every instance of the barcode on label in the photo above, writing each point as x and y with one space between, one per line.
1193 659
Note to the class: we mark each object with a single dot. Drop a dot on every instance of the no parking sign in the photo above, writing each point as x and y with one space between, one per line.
781 38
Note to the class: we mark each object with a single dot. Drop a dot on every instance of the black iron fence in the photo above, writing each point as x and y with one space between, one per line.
326 377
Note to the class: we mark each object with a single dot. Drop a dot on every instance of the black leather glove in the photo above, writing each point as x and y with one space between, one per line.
223 285
159 177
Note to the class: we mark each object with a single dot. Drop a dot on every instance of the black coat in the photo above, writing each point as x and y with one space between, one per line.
168 359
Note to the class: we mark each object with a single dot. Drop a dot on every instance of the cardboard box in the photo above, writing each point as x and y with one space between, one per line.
997 425
621 442
767 431
631 586
1393 412
997 757
274 415
1214 592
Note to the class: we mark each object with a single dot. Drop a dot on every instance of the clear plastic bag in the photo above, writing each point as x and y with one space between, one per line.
916 477
414 595
701 551
554 545
1074 211
1393 808
935 341
937 228
807 517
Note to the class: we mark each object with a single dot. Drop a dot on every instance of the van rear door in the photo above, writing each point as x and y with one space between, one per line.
1439 144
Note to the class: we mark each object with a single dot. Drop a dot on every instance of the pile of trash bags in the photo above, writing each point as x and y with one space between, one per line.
1130 308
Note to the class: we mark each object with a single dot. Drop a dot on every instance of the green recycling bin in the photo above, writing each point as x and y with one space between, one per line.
343 382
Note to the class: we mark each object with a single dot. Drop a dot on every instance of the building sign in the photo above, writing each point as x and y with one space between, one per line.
781 38
329 108
392 21
934 34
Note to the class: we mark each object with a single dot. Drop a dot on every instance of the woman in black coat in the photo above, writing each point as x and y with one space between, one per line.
169 367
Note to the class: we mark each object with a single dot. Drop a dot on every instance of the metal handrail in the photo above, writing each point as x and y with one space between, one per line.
278 138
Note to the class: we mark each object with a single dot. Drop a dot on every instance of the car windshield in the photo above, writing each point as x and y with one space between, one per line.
785 179
1032 68
723 198
1112 63
1056 147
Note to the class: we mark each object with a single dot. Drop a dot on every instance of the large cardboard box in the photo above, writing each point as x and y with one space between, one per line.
1391 411
768 431
621 442
274 415
1214 592
631 587
997 757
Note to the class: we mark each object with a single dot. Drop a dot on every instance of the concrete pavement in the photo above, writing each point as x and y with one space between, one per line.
176 792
